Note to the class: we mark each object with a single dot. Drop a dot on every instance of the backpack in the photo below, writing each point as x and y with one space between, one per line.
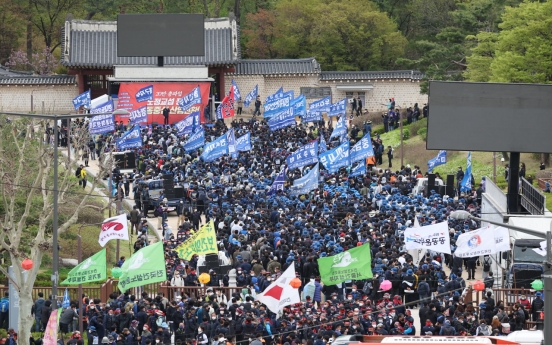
156 212
538 304
78 172
4 305
486 264
483 330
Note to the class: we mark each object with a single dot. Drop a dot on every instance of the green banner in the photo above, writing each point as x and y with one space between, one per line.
90 270
146 266
354 264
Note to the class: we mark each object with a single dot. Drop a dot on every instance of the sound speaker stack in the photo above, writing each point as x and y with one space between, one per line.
450 186
178 192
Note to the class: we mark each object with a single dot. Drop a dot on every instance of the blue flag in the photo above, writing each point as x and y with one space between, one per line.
215 149
322 105
282 119
306 183
100 124
106 107
275 106
66 300
131 139
278 183
312 116
299 105
252 96
340 127
465 185
243 143
190 99
322 147
82 100
336 158
231 139
145 94
338 108
274 96
237 93
362 149
139 115
195 141
186 126
359 169
439 160
305 155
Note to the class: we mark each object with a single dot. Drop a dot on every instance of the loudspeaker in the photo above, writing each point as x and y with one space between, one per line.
430 184
450 186
178 192
442 190
211 260
168 177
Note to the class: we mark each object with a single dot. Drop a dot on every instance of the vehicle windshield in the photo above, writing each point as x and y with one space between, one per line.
527 254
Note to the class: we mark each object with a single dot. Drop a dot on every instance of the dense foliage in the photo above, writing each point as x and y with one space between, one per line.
479 40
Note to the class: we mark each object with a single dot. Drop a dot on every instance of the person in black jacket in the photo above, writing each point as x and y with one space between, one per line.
46 311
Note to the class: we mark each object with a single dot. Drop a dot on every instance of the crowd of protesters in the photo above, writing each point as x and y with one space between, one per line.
262 235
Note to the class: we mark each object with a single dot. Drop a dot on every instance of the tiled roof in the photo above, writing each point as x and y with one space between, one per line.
277 67
93 44
61 79
4 71
363 75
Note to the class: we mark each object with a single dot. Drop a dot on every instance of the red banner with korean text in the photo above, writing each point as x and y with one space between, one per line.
164 95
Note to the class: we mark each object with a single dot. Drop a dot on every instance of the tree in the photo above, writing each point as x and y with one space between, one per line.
26 203
40 63
521 52
10 29
342 35
48 18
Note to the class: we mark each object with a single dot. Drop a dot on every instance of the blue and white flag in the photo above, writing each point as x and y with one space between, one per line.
312 116
322 147
358 170
336 158
106 107
362 149
215 149
237 93
131 139
139 115
282 119
252 96
278 104
306 183
231 139
275 95
305 155
195 141
299 105
466 185
186 126
82 100
145 94
340 127
190 99
66 300
439 160
100 124
321 105
243 143
338 108
278 183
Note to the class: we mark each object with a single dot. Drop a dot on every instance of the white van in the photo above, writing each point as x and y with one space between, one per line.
421 185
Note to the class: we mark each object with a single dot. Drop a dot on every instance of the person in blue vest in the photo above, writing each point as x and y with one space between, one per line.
5 311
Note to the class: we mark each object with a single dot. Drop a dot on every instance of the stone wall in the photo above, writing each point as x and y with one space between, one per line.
49 99
405 91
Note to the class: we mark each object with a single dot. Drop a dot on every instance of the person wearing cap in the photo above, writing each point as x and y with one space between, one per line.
92 335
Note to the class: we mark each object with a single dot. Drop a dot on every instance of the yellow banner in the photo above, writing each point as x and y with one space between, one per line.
202 242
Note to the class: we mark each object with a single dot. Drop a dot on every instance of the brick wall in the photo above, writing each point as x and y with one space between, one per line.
57 98
405 91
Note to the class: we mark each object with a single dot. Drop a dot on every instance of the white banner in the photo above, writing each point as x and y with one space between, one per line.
433 237
502 239
115 228
477 242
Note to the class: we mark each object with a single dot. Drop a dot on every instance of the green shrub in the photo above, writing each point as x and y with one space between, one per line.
423 133
406 134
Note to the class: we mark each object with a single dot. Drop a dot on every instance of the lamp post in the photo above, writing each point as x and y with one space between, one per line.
55 221
547 264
